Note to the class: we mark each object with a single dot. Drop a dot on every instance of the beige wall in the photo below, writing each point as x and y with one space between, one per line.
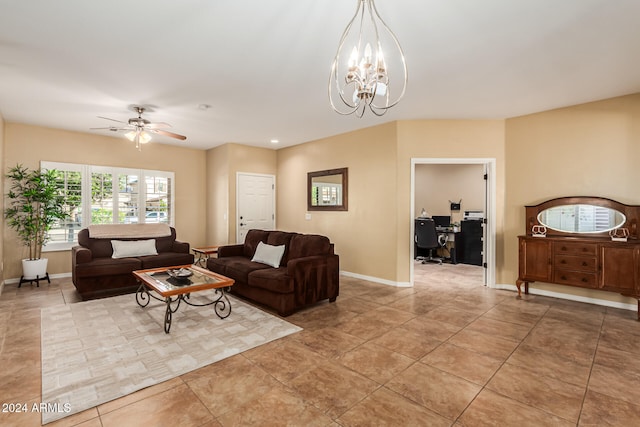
2 127
586 150
436 185
218 195
365 235
31 144
374 237
223 163
446 139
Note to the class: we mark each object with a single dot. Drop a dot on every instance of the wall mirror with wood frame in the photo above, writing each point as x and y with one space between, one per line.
328 190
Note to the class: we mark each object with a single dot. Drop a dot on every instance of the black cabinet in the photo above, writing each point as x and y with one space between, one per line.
472 232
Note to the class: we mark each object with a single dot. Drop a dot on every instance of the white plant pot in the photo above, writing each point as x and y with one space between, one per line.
34 268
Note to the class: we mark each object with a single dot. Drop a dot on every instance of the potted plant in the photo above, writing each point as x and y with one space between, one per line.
35 204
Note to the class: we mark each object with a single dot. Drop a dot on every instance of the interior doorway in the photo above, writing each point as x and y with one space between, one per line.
487 167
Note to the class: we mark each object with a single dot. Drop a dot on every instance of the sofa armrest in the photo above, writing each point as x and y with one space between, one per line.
180 247
230 250
81 255
314 278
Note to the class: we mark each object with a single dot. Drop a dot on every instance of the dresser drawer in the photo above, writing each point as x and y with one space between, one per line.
574 248
569 262
575 278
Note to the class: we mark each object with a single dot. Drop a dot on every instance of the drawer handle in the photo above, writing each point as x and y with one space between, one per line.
584 263
584 280
585 249
563 277
563 261
564 248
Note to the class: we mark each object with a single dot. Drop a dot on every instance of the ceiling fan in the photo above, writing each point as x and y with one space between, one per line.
139 130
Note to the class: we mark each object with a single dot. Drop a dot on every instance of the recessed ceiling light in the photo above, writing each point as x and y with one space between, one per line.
275 141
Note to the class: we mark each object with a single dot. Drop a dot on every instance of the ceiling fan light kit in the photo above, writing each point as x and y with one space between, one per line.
139 137
139 130
368 54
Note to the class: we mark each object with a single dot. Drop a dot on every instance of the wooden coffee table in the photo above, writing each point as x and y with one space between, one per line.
173 291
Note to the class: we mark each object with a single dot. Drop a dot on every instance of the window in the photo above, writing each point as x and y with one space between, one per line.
69 182
102 198
109 195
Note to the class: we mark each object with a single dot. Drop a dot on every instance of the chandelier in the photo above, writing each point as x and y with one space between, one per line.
360 73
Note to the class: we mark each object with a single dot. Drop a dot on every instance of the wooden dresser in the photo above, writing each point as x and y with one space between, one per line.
585 260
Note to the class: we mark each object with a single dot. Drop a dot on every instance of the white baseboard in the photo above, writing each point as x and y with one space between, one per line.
376 280
51 276
578 298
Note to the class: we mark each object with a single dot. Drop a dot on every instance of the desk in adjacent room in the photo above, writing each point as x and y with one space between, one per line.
463 246
451 252
453 249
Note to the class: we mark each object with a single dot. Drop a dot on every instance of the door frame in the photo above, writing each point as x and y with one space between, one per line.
273 193
490 210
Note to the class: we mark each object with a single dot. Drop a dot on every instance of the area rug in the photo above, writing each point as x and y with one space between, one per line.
97 351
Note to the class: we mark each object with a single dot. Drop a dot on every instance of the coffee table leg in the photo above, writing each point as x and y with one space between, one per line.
222 306
167 317
168 314
142 296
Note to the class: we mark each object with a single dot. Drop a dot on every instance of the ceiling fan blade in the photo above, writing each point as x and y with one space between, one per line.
157 125
111 128
171 134
113 120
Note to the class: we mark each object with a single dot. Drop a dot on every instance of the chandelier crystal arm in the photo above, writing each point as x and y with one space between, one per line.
402 58
334 68
362 79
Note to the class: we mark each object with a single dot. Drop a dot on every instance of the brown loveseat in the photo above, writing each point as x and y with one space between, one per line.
96 274
307 273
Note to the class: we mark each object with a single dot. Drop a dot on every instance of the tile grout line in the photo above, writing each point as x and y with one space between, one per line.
593 362
484 387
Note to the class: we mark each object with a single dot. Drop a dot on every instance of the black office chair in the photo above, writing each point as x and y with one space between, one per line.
427 238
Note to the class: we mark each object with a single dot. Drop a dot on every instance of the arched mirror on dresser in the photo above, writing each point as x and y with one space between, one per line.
585 242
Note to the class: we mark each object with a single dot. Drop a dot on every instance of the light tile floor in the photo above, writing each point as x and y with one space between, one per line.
447 352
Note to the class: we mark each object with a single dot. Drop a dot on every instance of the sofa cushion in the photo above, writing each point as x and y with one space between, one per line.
99 247
102 247
268 254
238 268
278 238
133 248
107 266
166 259
271 279
304 245
251 241
165 244
217 265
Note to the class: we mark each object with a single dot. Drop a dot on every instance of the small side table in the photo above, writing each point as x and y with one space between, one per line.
204 254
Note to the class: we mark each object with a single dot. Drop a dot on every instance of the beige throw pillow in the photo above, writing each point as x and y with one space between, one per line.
133 248
268 254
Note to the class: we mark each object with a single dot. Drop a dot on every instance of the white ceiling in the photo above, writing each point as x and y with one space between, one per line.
263 65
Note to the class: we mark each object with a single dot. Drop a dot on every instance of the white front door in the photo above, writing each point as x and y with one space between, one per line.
255 203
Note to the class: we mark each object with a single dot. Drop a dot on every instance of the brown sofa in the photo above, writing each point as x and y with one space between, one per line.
96 274
308 271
